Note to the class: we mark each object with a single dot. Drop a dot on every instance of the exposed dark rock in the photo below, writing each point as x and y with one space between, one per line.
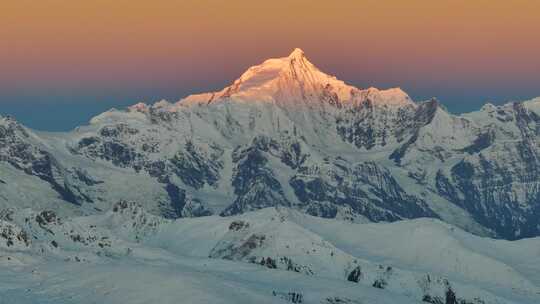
450 296
355 275
367 126
238 225
292 297
423 116
340 300
109 149
177 198
383 277
123 205
254 183
114 131
380 283
195 208
483 141
432 299
47 217
83 176
400 152
292 155
16 150
195 168
485 189
268 262
368 189
233 251
12 235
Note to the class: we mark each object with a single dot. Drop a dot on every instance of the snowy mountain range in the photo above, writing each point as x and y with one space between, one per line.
287 173
286 134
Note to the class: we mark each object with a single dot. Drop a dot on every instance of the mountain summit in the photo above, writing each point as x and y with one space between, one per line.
297 53
294 79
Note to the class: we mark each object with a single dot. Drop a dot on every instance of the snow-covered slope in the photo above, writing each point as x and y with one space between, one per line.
287 134
267 256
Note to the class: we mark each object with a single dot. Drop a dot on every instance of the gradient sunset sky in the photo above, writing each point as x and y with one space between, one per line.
62 62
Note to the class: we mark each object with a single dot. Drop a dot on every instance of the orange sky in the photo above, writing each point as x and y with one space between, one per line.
202 45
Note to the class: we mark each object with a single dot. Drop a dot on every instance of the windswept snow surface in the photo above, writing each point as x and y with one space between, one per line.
272 255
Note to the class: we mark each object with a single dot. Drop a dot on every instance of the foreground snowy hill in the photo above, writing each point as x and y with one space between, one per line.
287 134
267 256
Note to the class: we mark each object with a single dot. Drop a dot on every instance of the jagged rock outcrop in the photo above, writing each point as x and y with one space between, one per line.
355 275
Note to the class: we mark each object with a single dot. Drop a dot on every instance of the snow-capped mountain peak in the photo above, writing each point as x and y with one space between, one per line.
297 53
295 80
138 107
